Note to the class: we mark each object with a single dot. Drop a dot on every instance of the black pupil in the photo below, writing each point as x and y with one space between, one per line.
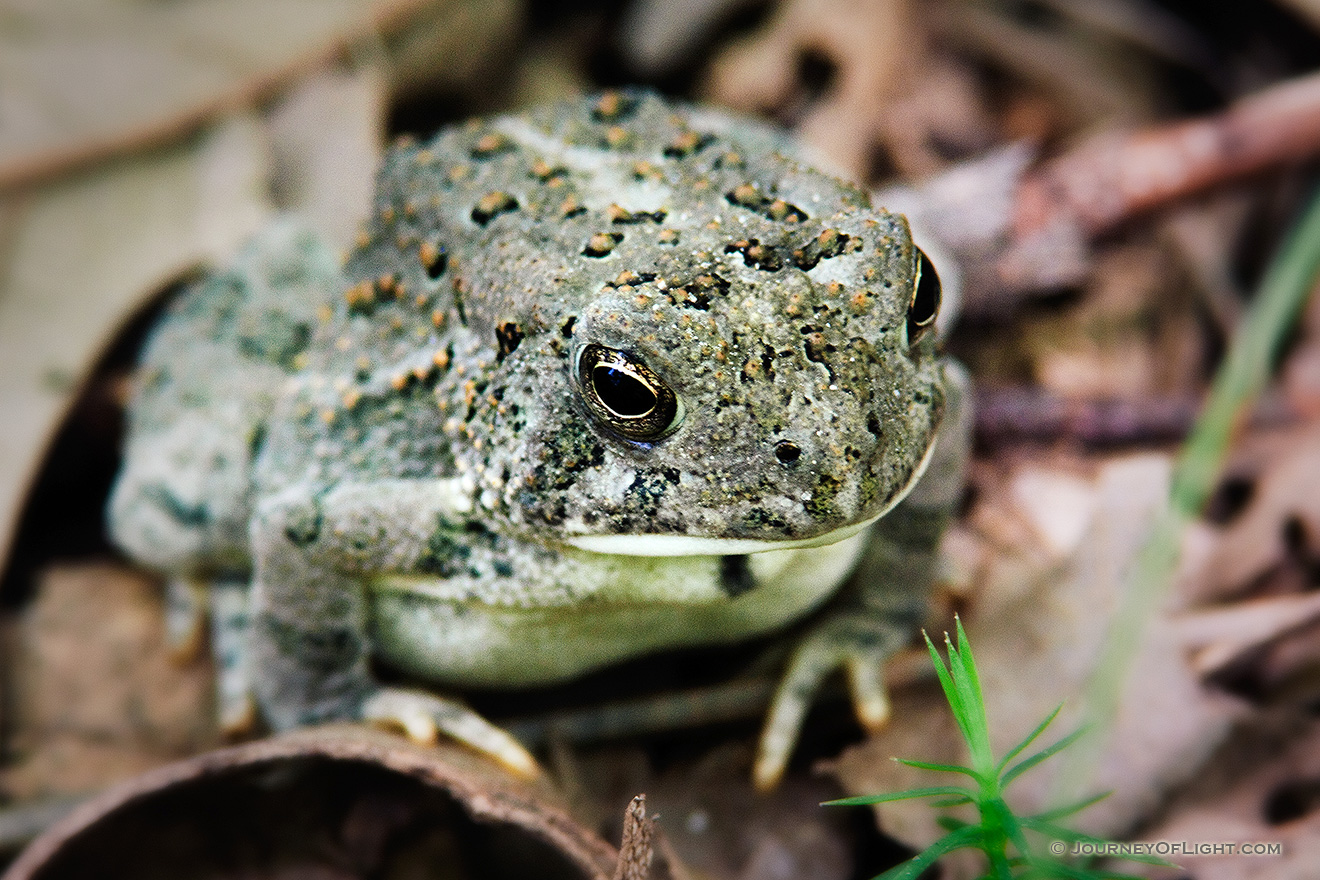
621 392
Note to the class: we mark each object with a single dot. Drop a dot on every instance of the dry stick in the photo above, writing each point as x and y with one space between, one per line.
635 851
1112 177
1035 415
1109 179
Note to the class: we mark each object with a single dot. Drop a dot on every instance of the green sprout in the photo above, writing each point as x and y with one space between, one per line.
1000 834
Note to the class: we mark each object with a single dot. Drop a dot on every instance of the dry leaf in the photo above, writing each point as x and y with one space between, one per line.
1263 791
864 51
80 80
327 135
331 802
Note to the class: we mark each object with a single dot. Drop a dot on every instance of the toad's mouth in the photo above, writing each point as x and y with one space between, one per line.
701 545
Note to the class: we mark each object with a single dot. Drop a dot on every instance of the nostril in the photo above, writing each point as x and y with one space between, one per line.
787 452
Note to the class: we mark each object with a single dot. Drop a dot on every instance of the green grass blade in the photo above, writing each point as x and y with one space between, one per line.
962 666
1283 291
1044 754
865 800
913 867
1000 868
941 768
1069 809
1031 737
951 823
951 695
958 696
996 813
965 653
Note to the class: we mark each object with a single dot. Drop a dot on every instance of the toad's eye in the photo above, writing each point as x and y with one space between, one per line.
924 306
626 394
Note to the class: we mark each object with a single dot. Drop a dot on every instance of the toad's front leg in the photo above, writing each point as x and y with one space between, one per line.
314 552
885 599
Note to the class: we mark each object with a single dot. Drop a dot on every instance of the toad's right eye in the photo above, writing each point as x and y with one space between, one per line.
626 395
924 306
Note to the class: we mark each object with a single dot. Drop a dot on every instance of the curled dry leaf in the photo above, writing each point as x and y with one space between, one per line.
334 802
859 81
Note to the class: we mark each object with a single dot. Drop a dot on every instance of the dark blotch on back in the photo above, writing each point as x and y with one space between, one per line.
749 197
508 335
756 255
698 293
491 206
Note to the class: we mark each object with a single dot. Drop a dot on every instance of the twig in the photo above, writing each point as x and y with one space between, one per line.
1040 239
635 851
1006 415
1113 177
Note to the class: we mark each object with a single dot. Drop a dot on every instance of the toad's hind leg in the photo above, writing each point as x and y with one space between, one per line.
883 602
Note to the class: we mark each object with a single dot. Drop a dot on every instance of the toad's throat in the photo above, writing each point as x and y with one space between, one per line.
700 545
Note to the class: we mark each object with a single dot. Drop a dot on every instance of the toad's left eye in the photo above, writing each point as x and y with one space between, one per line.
924 306
626 394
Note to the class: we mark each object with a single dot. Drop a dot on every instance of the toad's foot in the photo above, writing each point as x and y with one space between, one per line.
854 642
423 717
